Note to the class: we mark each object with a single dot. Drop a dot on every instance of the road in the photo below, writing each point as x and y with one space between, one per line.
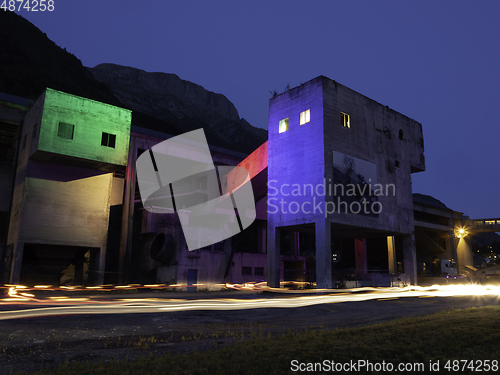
94 328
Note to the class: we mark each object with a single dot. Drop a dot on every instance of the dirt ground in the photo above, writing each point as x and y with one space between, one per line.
29 344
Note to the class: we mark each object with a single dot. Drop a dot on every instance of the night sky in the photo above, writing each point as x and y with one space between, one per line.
436 62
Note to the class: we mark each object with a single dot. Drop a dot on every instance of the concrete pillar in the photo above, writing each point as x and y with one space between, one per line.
127 217
464 254
273 257
100 266
391 254
17 262
323 255
360 251
451 245
410 257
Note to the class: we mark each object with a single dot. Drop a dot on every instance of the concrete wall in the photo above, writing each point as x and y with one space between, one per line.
296 156
373 136
241 260
90 119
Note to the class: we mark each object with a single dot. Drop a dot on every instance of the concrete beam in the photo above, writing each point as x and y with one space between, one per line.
410 257
424 224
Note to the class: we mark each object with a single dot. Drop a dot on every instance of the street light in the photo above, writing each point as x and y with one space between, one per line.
461 233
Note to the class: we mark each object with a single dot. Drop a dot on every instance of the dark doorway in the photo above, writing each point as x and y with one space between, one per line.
59 265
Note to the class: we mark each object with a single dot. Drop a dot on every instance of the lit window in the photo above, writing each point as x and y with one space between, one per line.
108 140
246 270
283 125
305 117
344 120
66 131
259 271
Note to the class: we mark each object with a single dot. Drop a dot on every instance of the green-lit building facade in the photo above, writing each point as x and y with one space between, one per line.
69 151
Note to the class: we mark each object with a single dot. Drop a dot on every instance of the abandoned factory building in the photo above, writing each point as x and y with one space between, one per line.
332 190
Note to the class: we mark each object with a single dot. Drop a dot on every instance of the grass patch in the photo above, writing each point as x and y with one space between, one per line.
470 334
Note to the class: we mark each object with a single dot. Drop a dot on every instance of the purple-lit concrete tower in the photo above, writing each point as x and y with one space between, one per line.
340 165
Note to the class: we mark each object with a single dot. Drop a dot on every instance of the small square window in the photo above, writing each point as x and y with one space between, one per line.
35 132
25 138
259 271
246 270
345 120
108 140
284 125
66 131
305 117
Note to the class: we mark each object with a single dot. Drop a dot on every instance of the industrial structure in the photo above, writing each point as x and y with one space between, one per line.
332 188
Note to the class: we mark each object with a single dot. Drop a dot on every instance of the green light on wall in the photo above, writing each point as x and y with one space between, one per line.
80 127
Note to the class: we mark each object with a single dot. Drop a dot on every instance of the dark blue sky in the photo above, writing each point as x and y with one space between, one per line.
434 61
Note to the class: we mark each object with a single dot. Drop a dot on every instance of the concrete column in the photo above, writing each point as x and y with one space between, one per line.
451 245
391 254
127 216
273 257
101 263
464 254
323 255
17 262
360 251
410 257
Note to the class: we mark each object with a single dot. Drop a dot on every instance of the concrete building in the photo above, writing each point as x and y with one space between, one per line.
332 187
340 164
71 209
64 186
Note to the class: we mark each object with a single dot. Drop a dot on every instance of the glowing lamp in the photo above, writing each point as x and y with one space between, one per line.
461 233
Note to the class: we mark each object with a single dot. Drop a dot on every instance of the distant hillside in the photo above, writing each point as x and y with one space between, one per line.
30 62
184 104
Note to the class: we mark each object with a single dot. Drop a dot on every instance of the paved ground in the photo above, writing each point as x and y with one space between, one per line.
29 343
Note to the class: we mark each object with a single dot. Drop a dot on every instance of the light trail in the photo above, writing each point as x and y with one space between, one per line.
64 305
